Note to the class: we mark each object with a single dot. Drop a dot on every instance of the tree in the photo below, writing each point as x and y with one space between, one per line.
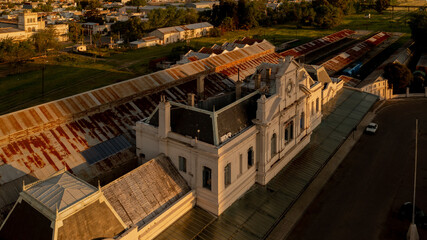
381 5
130 30
97 39
228 24
398 75
75 32
15 53
136 3
418 25
328 16
45 40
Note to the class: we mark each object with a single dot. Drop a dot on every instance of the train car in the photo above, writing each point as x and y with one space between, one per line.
353 70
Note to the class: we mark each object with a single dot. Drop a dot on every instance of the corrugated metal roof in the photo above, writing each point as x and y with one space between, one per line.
256 212
20 121
60 191
148 189
401 55
45 149
343 59
349 81
40 140
318 43
105 149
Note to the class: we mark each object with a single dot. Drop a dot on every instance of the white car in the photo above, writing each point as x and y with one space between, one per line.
371 128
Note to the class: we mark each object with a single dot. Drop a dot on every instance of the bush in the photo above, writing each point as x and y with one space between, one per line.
215 32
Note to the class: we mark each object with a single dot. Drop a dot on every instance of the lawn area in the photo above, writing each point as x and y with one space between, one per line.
74 74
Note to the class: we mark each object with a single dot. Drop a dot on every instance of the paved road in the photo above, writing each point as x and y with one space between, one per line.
362 198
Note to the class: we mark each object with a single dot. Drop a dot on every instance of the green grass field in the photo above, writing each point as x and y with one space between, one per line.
71 75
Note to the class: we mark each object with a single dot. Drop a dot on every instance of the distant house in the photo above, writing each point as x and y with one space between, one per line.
180 33
79 48
61 31
202 5
145 42
94 28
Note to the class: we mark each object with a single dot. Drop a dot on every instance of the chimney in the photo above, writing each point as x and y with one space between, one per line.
238 89
257 81
164 117
190 99
201 86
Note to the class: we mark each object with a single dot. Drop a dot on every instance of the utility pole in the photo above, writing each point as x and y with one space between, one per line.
413 232
44 67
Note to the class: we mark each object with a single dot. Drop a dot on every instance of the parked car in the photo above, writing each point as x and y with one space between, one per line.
371 128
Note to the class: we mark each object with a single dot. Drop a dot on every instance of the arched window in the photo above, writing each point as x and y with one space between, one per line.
273 145
302 121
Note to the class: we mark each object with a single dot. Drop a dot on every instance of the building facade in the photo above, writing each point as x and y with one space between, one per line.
222 153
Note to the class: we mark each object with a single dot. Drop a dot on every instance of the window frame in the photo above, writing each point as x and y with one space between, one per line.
273 145
227 175
182 164
250 157
207 179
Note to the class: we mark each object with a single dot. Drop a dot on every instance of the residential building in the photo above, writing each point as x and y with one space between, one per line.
181 33
145 42
202 5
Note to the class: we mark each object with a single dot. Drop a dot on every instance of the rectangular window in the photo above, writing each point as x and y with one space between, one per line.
227 175
289 131
207 178
312 108
182 164
273 145
317 105
240 164
250 157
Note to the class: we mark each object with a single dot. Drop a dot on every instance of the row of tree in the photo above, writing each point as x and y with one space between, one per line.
16 52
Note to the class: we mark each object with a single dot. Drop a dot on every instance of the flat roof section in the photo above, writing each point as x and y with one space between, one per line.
257 212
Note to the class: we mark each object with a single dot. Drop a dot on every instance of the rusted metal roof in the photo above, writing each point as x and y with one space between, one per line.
343 59
38 141
349 81
22 121
318 43
45 149
247 68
